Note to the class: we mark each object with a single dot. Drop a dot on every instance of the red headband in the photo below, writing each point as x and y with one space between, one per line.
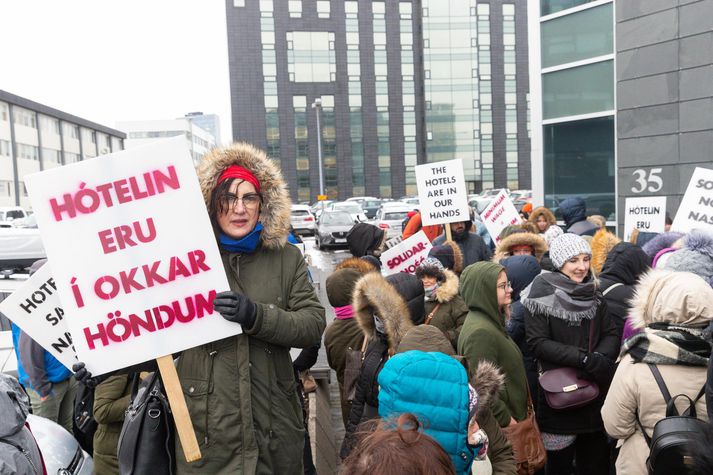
236 171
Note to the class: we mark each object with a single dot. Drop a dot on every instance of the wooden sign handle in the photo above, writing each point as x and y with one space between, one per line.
184 426
449 237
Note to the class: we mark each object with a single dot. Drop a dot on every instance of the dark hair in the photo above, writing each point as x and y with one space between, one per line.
219 198
398 448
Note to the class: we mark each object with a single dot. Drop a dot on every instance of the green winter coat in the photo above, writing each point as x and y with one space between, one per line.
452 310
484 337
240 391
111 398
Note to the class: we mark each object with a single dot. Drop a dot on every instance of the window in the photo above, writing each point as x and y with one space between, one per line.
3 112
310 56
28 152
577 36
238 3
51 155
351 8
24 117
323 8
547 7
580 90
5 149
295 8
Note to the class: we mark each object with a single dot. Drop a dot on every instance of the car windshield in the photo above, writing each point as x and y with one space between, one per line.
337 218
372 203
395 215
348 207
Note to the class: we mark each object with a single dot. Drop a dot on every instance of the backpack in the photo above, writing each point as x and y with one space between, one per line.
669 445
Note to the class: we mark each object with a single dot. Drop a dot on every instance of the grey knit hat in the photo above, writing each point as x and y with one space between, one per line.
552 233
431 267
695 256
566 247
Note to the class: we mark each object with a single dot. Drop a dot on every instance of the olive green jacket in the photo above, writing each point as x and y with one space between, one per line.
450 309
111 398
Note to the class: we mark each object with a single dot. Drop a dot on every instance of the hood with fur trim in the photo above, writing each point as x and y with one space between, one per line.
680 298
542 211
374 294
602 243
488 380
357 263
275 209
448 288
535 241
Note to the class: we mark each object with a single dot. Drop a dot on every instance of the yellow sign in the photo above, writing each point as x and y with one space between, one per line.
321 197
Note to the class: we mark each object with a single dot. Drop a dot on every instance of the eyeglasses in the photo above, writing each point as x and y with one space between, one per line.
250 201
504 285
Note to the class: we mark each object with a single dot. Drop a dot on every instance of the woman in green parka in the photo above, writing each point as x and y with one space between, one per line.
486 291
111 398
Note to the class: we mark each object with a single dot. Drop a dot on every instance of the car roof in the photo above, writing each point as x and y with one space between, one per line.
301 207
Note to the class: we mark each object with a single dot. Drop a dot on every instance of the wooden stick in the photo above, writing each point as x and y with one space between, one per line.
448 232
184 426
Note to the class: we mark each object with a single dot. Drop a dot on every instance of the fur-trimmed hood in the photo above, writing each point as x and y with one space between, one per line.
680 298
448 288
374 294
356 263
488 380
602 243
536 242
542 211
275 209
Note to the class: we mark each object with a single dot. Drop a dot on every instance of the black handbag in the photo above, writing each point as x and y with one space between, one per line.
147 439
84 423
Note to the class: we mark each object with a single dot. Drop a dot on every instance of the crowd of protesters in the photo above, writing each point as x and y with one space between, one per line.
442 371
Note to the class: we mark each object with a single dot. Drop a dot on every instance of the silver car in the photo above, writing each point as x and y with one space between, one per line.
332 229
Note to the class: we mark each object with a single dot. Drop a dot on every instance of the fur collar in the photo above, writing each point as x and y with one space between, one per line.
542 211
356 263
536 242
373 294
275 211
487 380
448 289
602 243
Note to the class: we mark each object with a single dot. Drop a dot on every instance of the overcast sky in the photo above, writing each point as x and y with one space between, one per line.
108 61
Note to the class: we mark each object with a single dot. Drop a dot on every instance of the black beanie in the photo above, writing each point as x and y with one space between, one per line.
340 285
411 290
444 254
364 237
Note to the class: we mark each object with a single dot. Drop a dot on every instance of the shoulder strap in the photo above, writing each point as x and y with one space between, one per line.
433 312
660 382
612 287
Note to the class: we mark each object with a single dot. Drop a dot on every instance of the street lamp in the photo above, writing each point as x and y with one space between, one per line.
317 106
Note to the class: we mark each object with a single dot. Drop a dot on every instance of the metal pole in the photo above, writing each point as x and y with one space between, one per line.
317 105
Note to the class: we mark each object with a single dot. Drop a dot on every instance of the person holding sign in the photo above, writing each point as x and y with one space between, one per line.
472 246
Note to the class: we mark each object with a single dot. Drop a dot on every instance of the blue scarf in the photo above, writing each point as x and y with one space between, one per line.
245 245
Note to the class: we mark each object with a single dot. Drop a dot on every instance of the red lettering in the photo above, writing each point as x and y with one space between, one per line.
107 241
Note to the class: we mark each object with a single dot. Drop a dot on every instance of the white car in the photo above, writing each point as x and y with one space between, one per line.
390 219
19 248
302 220
10 213
354 210
61 452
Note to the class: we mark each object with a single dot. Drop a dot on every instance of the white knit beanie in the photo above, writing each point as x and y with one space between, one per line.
566 247
552 233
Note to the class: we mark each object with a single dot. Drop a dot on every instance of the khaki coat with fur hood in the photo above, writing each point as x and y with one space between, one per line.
681 298
542 211
240 390
450 309
503 250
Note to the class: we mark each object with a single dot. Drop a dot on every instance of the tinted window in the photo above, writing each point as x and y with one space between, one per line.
300 212
395 215
336 219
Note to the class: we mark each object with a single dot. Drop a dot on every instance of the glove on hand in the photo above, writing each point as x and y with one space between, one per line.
598 367
236 308
85 377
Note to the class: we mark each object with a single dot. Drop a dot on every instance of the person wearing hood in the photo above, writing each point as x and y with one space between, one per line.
486 290
385 309
365 239
343 333
19 453
521 271
542 218
414 225
673 309
568 325
660 242
427 379
444 307
472 246
695 256
574 213
624 264
450 255
602 244
521 243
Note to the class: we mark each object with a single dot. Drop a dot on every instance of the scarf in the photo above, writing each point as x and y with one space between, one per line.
429 291
661 343
245 245
556 295
344 313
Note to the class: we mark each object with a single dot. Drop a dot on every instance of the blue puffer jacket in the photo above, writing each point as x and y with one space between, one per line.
54 371
433 387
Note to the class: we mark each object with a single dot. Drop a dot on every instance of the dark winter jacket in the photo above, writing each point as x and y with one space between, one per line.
398 301
624 265
111 398
555 343
36 367
483 337
472 246
574 213
449 308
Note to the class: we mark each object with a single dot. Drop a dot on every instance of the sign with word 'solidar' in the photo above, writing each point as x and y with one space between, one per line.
696 209
35 308
406 255
645 214
442 193
133 254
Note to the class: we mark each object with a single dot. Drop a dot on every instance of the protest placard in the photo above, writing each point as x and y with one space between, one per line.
696 209
133 254
645 214
406 255
35 307
499 214
442 192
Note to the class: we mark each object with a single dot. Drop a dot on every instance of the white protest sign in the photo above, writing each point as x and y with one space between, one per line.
645 214
406 255
442 193
133 254
696 209
35 308
499 214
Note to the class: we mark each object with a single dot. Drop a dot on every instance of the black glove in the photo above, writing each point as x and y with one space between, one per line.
236 308
598 367
85 377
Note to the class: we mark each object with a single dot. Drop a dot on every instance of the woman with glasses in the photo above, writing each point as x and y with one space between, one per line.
486 291
567 325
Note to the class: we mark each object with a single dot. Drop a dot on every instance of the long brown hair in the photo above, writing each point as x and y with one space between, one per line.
398 448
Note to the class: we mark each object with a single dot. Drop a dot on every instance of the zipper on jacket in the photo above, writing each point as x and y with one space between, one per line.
270 382
24 452
207 395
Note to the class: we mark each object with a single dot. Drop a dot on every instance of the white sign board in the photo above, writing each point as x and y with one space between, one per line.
499 214
406 255
696 209
442 192
35 308
133 254
645 214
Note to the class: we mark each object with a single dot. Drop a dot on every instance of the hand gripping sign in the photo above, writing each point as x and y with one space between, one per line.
406 255
134 258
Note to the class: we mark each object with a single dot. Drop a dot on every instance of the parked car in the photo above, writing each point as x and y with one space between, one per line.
10 213
28 222
361 199
332 229
371 206
521 195
302 220
390 218
479 203
350 207
319 206
61 452
413 202
19 248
